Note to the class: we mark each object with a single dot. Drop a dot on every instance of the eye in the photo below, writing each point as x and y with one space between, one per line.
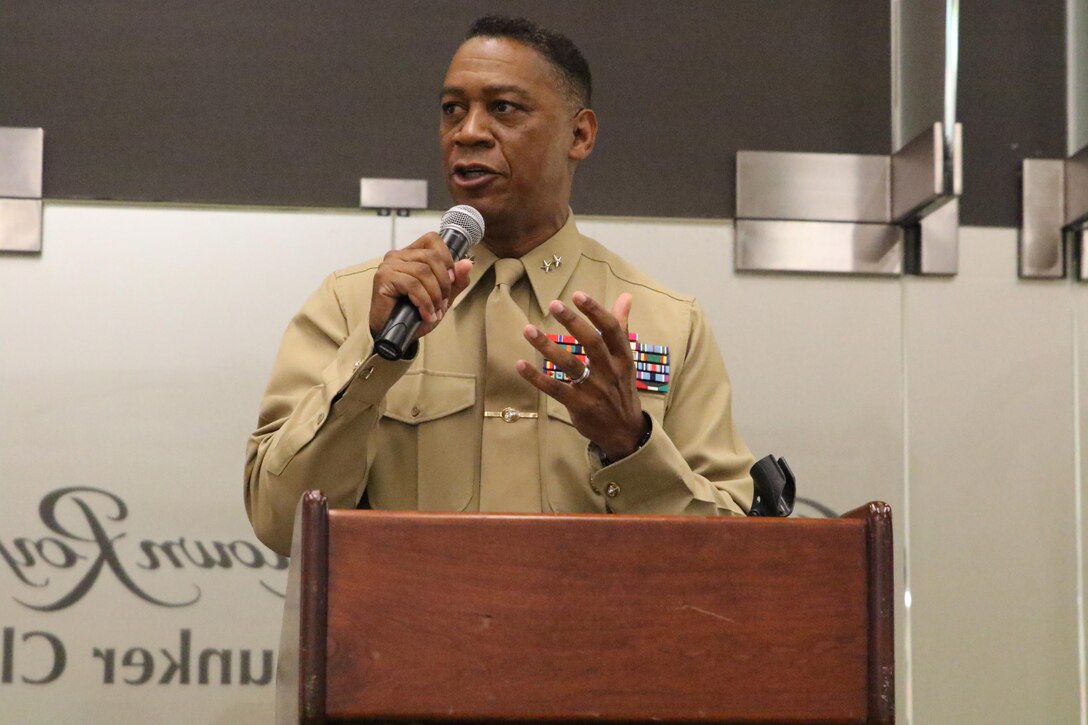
501 106
449 108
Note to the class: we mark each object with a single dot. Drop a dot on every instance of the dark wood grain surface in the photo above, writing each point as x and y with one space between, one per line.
301 670
597 617
878 535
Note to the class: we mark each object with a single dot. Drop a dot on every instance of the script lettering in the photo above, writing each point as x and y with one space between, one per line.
107 557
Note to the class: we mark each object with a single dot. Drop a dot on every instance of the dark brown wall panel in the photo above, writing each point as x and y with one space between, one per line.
276 102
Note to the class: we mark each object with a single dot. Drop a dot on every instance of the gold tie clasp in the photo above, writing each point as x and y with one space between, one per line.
509 415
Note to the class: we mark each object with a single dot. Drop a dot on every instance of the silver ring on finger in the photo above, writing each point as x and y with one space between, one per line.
583 377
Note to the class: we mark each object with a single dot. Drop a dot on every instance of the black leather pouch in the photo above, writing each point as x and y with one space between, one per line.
775 487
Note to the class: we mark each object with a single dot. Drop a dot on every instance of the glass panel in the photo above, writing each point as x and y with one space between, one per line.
136 349
990 407
951 68
1077 50
925 40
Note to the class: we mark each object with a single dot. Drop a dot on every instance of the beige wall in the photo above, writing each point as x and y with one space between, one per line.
136 347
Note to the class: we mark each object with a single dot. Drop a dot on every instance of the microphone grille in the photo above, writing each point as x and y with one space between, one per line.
467 219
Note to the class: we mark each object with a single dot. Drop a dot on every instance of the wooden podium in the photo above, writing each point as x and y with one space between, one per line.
396 616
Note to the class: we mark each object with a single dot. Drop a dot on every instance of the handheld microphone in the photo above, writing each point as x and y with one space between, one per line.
462 226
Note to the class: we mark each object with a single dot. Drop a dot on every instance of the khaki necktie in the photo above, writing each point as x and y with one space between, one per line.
510 459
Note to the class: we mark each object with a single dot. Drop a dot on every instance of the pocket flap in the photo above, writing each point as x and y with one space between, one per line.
424 395
652 403
558 411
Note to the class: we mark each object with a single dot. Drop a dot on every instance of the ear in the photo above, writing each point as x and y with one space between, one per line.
584 126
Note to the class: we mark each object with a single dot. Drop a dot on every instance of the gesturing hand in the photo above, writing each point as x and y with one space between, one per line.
604 407
425 273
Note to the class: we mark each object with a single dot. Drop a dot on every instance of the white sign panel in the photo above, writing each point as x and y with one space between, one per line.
133 354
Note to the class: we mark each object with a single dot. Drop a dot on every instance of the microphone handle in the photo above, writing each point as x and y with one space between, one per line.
398 331
405 318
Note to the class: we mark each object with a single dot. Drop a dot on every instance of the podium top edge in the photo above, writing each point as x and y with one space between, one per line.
583 518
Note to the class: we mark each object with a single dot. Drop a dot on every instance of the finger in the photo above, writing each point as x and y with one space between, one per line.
461 271
438 263
430 240
429 248
563 358
578 326
395 275
612 332
437 287
621 310
407 285
544 383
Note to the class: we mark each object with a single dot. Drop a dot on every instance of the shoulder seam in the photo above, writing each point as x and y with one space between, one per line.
339 302
685 298
357 269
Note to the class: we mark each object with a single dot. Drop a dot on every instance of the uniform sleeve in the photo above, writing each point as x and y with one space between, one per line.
317 417
695 462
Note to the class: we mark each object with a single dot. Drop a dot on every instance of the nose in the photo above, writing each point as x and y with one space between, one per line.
475 128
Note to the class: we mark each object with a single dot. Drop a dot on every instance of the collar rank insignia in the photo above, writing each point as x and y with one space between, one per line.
651 362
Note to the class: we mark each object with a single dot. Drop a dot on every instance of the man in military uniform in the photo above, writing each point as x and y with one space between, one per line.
548 373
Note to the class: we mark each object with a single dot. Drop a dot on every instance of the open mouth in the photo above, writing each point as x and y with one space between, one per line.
470 172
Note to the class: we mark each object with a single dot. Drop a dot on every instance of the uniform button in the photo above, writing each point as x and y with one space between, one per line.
612 490
415 411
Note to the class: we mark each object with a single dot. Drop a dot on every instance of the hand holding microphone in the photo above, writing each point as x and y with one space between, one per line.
414 287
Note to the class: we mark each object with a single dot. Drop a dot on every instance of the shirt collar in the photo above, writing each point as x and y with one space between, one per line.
548 266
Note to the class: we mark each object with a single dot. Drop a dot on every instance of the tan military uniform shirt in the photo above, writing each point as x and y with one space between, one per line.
341 419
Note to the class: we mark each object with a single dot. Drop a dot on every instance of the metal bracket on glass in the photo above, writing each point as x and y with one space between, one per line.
389 195
927 181
1054 217
21 189
851 213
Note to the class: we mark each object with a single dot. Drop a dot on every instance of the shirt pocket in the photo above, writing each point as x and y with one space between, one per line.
565 464
429 436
